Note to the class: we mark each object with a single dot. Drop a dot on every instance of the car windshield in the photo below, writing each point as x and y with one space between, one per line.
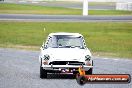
65 41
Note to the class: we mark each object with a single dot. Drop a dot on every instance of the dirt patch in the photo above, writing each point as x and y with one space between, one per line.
20 47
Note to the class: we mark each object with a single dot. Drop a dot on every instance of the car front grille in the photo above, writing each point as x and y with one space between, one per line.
66 63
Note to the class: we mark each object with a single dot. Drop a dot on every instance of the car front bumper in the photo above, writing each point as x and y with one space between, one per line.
60 67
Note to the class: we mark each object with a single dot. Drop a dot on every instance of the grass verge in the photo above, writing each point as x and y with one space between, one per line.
34 9
103 38
102 3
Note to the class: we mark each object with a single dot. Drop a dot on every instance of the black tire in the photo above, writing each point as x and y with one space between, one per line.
89 72
43 73
81 80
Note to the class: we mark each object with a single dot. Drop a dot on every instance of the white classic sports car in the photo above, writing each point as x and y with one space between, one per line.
64 53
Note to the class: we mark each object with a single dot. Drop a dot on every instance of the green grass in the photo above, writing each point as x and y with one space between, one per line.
109 12
103 38
32 9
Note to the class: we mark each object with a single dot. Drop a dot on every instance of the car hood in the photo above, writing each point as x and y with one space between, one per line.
66 54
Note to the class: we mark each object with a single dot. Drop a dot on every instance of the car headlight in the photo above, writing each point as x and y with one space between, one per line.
46 57
87 58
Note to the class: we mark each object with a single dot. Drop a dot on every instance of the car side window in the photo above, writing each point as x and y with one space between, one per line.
84 42
51 42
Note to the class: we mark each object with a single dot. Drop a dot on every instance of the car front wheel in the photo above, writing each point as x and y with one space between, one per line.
89 72
43 73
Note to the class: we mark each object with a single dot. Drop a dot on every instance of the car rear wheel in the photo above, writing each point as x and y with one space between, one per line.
43 73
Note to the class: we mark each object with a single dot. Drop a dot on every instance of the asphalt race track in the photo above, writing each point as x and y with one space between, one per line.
20 69
62 18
